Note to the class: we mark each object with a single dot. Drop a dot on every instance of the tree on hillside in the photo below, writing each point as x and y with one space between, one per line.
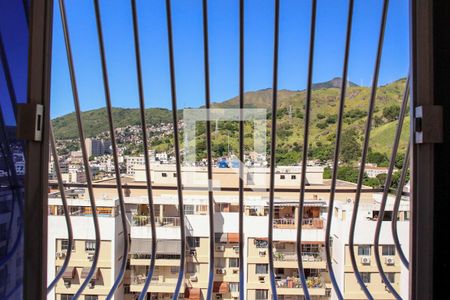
390 113
349 146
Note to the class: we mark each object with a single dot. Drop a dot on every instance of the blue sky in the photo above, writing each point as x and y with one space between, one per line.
224 47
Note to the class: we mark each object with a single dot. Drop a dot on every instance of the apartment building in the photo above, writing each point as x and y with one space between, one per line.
96 147
364 249
226 254
83 248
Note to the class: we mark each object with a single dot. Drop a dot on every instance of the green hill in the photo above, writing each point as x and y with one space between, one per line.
290 120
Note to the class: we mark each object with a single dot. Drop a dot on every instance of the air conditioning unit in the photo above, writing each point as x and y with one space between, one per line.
262 252
67 283
221 271
236 249
193 278
90 256
235 271
192 252
365 260
60 254
218 296
220 248
389 261
262 279
91 284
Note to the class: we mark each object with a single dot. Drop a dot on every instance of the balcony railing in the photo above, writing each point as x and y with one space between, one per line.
164 221
292 256
312 223
294 282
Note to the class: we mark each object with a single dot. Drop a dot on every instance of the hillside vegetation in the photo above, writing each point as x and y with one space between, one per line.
290 122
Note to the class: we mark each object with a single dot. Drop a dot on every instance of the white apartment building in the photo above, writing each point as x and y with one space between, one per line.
111 247
363 241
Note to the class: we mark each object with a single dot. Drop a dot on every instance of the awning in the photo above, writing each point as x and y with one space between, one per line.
85 272
143 246
221 287
221 237
192 294
168 247
140 246
233 237
69 273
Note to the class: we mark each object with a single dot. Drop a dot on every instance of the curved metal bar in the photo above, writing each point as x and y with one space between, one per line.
241 152
298 243
337 151
137 47
83 149
177 151
66 212
364 151
123 215
398 197
209 292
387 184
273 144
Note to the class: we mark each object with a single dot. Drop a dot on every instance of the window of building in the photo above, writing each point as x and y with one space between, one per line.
365 277
191 268
189 209
388 250
193 241
262 268
282 177
91 297
262 294
261 243
390 276
89 246
126 289
234 286
65 245
364 250
219 262
66 296
233 262
293 177
310 248
175 175
164 174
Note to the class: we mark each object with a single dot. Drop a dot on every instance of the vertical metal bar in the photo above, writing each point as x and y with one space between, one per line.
337 150
137 50
65 209
83 149
273 143
36 178
177 150
424 176
208 150
365 149
123 216
398 197
241 152
301 270
387 185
